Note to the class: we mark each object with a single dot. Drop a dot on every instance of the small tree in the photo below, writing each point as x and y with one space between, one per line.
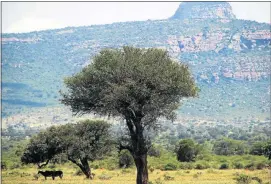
267 149
139 85
258 148
41 149
82 142
227 146
125 159
187 150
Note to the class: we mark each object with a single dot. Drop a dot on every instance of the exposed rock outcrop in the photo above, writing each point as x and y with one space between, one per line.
204 10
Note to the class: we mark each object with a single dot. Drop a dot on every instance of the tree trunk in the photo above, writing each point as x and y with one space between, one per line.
83 166
86 169
142 169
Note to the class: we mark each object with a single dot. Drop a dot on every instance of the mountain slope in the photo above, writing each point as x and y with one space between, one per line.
229 59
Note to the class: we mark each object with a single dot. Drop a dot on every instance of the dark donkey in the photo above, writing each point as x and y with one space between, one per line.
51 173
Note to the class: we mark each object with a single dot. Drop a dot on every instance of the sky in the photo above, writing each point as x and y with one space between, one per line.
20 17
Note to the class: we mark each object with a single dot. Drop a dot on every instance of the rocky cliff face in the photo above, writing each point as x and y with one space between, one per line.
204 10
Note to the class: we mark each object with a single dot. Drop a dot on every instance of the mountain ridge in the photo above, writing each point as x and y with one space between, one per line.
226 57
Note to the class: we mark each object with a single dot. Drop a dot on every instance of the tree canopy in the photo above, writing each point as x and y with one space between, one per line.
187 150
82 142
139 85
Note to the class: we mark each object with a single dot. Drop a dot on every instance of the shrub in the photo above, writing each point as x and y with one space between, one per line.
151 169
187 150
154 152
260 165
111 168
96 166
3 165
15 166
259 180
250 166
202 165
186 166
199 166
170 167
238 165
125 159
224 166
243 179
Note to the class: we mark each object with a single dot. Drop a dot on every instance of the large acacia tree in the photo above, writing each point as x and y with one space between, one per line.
82 142
139 85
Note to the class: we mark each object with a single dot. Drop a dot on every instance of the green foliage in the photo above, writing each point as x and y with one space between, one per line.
125 159
238 165
224 166
82 142
227 146
139 85
258 148
111 80
154 152
170 167
267 149
186 165
202 165
187 150
243 179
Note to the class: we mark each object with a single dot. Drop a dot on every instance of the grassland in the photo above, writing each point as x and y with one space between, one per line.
127 176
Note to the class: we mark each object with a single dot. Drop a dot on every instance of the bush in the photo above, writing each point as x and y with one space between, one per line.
96 166
243 179
250 166
238 165
187 150
202 166
151 169
260 165
15 166
224 166
186 166
3 165
125 159
259 180
170 167
154 152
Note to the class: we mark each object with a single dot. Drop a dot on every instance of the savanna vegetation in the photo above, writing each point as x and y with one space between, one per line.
141 87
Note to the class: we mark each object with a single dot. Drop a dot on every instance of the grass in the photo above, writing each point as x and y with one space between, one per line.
208 176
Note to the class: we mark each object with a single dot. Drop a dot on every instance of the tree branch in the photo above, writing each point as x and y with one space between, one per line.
122 147
43 165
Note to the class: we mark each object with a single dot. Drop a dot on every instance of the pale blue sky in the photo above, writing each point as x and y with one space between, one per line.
33 16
